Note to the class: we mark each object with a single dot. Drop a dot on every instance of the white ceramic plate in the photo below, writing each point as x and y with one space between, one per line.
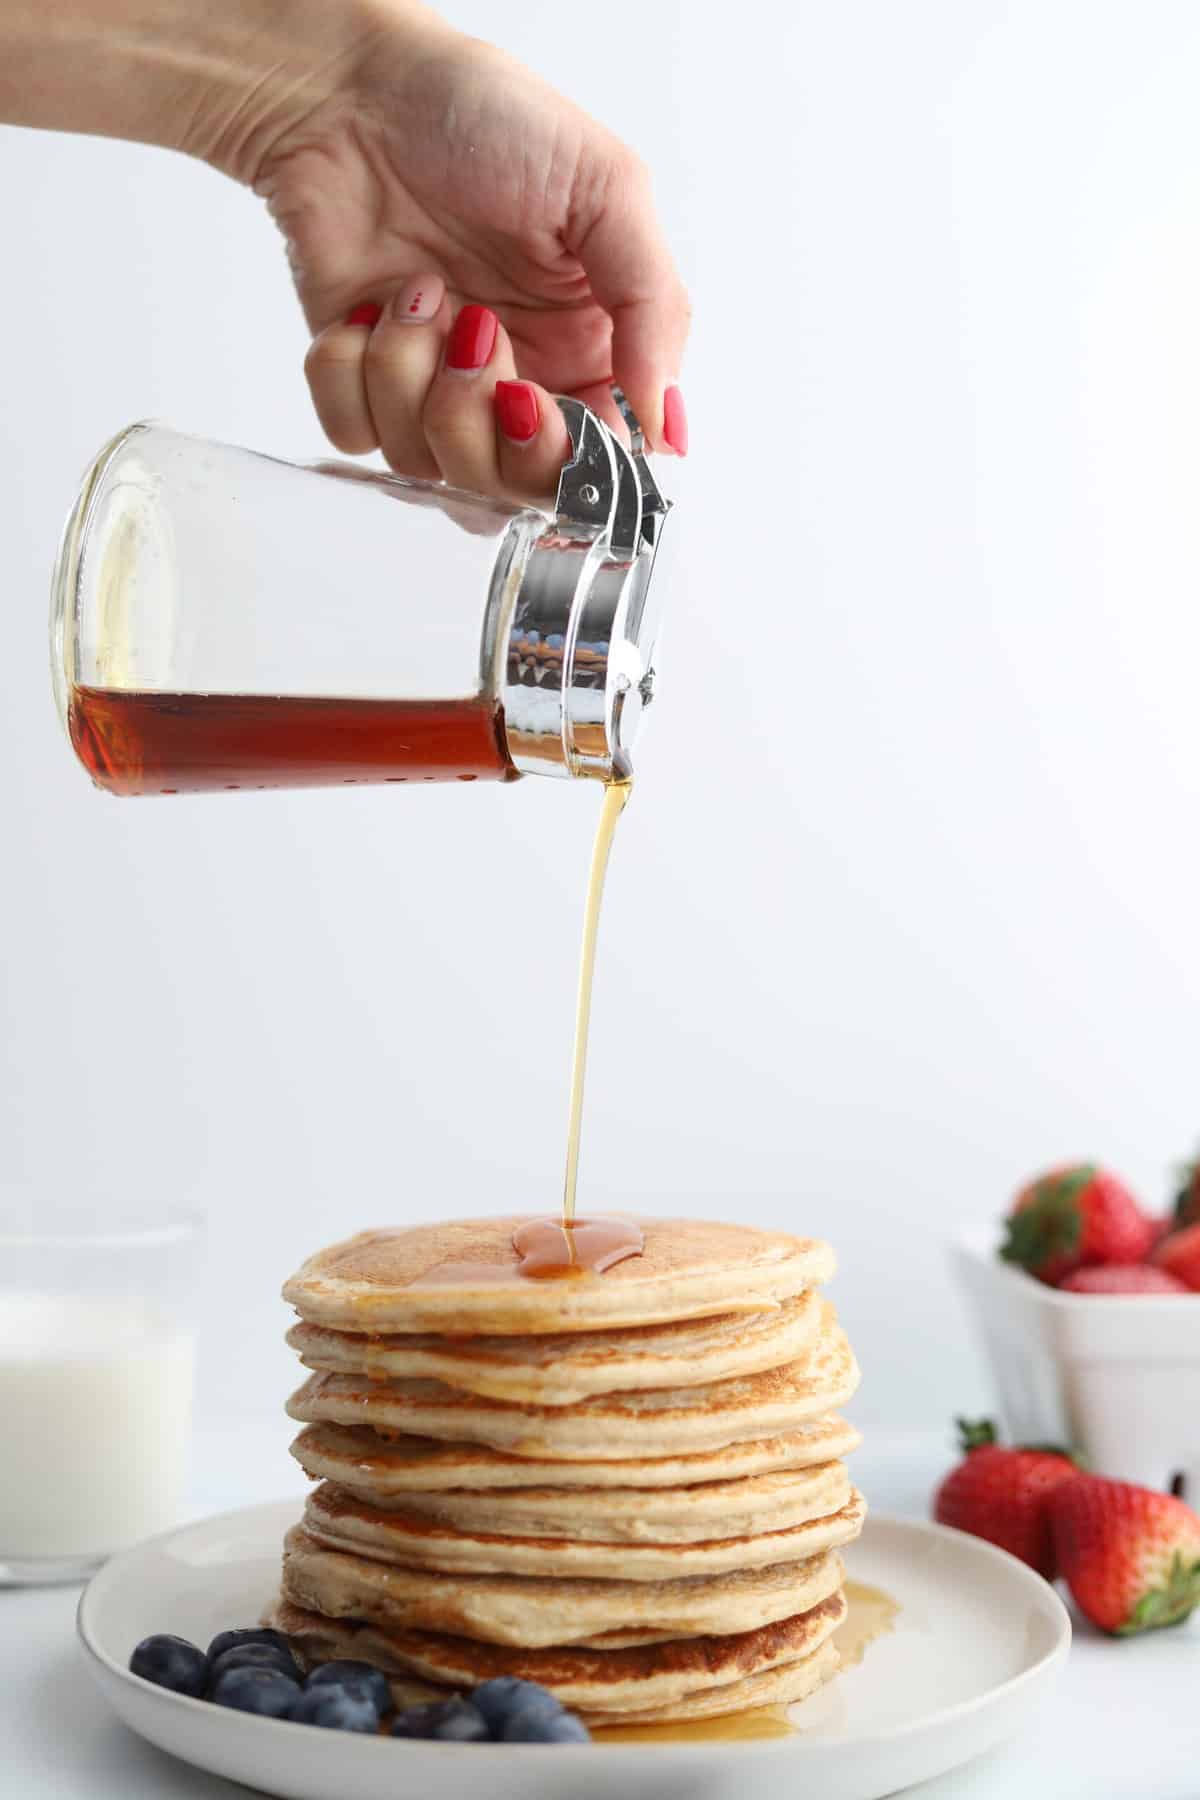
978 1640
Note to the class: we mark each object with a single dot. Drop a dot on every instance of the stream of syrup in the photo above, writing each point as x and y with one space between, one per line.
616 797
549 1249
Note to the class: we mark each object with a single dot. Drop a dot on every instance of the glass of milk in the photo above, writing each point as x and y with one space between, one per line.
96 1363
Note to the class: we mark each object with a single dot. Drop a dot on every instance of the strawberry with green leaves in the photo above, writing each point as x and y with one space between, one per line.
1004 1495
1073 1217
1130 1556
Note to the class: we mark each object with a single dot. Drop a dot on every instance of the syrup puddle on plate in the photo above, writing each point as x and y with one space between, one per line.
731 1728
872 1614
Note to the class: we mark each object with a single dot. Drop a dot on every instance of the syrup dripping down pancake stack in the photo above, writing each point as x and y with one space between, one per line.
627 1486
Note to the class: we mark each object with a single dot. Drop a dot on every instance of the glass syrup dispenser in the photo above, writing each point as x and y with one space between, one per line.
226 620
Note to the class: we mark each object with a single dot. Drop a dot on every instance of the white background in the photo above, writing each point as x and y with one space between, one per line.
906 902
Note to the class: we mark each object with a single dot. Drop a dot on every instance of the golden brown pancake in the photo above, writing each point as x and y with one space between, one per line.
515 1609
783 1686
611 1516
357 1458
597 1681
340 1522
463 1277
571 1366
675 1420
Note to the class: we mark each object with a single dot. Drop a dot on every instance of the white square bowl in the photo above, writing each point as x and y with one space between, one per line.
1116 1376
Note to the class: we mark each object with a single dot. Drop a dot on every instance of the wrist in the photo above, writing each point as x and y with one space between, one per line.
268 67
222 81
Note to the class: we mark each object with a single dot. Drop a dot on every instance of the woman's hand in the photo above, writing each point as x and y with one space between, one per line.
418 176
453 222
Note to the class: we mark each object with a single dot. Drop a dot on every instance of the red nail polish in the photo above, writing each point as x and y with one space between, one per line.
366 313
675 429
517 412
472 338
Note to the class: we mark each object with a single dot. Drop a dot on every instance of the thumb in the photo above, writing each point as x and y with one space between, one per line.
633 277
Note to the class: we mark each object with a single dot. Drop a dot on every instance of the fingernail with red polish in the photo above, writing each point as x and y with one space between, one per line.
517 412
418 300
675 429
472 339
366 313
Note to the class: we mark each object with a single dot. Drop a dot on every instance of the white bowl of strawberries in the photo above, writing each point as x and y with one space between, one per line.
1089 1313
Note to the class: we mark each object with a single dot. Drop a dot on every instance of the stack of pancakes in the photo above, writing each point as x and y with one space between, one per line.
627 1486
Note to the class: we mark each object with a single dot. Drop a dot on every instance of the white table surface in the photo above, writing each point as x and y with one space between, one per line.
1124 1723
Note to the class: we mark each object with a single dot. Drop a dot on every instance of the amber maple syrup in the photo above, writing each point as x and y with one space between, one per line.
550 1249
145 743
871 1613
751 1726
556 1248
616 798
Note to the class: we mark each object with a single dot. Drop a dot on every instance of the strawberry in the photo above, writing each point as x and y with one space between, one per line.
1130 1556
1074 1216
1122 1278
1185 1208
1179 1255
1164 1225
1004 1495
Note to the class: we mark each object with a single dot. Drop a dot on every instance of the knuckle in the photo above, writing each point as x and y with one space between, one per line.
330 353
351 442
628 171
444 427
413 460
379 354
350 436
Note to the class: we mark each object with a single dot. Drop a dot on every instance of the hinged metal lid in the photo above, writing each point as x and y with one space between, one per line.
581 639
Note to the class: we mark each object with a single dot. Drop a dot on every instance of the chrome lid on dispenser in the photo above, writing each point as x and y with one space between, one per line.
579 668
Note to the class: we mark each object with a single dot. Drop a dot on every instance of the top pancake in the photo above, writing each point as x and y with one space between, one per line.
462 1278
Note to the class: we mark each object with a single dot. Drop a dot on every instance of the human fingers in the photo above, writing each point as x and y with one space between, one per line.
633 277
400 362
532 439
336 379
457 419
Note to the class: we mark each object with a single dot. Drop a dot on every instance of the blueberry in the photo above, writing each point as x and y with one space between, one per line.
232 1640
536 1725
452 1721
171 1662
417 1721
458 1722
499 1698
262 1691
357 1677
254 1656
337 1708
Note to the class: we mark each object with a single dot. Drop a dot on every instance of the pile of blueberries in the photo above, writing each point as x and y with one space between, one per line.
255 1671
